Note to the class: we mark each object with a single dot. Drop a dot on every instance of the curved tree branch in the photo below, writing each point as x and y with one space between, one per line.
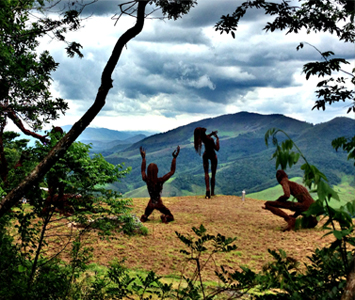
17 121
59 150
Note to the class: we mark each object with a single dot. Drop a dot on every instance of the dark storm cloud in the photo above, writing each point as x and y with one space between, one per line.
86 7
205 14
208 12
102 8
174 35
148 86
83 84
197 15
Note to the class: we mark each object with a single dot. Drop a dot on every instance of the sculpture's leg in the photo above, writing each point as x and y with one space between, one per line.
273 206
291 222
310 222
207 182
214 163
166 216
207 177
148 210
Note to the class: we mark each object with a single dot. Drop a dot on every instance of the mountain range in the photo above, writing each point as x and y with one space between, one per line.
103 139
244 160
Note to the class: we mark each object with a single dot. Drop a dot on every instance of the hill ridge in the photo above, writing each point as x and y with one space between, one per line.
244 159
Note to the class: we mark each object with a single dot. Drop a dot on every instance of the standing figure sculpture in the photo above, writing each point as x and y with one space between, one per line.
155 187
304 201
200 137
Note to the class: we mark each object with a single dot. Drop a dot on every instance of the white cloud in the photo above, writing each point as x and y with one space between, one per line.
234 73
201 82
174 73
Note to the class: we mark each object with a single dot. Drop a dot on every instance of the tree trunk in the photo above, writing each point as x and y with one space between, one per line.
349 291
59 150
3 162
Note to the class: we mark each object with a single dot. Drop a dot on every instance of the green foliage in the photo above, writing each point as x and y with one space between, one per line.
331 90
347 144
30 275
322 279
175 9
26 75
342 216
77 174
80 173
312 15
84 179
51 281
213 244
282 154
122 281
313 178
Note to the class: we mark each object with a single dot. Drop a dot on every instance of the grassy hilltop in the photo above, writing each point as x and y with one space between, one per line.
256 230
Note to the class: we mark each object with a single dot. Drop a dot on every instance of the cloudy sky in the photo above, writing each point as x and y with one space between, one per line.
177 72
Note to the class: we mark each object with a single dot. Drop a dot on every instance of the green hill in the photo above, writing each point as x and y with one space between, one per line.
243 160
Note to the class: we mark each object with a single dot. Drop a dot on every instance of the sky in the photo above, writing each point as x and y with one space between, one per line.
178 72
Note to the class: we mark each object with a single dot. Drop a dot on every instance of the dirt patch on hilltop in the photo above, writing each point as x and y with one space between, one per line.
256 230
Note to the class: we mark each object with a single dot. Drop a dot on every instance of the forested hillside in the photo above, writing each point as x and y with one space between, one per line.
243 160
107 141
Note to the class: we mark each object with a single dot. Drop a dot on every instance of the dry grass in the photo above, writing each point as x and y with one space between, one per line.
256 230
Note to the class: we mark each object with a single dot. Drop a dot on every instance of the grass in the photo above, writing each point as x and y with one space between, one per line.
256 231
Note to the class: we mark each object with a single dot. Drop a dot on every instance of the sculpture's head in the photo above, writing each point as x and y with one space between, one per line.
280 174
152 172
199 133
57 129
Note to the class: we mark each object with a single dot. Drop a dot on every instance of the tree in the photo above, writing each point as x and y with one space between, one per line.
25 76
73 193
170 9
61 166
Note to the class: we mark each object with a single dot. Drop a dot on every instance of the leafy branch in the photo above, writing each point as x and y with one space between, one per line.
331 90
